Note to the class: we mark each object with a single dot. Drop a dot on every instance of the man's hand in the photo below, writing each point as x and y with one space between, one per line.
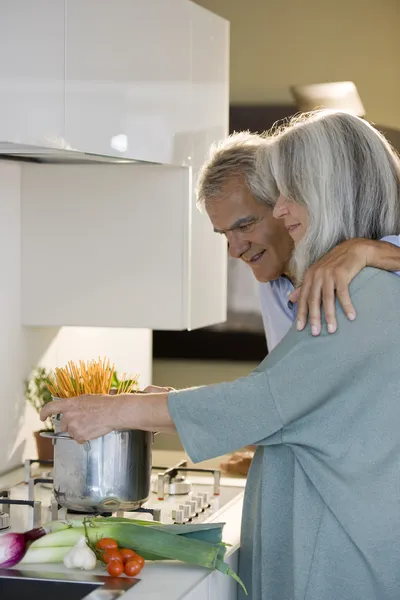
329 276
86 417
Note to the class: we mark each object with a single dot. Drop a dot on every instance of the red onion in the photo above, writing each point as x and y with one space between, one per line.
14 545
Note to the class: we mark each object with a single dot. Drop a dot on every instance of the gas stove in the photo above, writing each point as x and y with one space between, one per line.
179 494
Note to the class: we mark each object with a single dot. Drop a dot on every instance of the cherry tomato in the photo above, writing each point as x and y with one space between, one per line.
112 554
115 568
139 559
132 568
106 544
127 554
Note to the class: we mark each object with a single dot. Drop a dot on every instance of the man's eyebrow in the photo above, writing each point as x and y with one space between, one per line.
238 223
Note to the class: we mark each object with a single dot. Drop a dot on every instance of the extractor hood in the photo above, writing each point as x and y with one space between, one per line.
39 154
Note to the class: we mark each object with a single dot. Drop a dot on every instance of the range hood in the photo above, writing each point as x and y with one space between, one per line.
39 154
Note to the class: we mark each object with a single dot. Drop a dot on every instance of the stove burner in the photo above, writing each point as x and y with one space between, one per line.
71 511
173 482
154 512
174 486
6 501
31 461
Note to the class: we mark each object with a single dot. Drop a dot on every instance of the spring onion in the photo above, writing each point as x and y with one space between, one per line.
17 547
38 556
13 546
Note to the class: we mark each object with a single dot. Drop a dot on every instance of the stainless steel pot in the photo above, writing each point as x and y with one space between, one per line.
104 475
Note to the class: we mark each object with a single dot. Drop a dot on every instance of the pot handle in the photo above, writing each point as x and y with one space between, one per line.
62 436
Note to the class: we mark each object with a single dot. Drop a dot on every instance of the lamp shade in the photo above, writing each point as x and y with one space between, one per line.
338 95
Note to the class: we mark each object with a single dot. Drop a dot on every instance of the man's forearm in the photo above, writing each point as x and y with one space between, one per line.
383 255
148 412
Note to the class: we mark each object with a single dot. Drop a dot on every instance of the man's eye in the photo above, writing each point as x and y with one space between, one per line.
245 227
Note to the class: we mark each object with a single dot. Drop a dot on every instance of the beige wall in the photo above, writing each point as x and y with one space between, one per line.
276 43
189 373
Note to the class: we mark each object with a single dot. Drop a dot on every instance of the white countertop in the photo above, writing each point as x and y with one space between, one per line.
169 580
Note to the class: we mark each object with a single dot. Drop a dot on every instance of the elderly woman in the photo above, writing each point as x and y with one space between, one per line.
321 518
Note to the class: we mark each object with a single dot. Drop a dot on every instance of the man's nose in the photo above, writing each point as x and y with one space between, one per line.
280 208
237 246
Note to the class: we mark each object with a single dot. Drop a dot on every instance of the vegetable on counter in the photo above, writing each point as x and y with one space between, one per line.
118 560
196 544
13 546
80 556
106 544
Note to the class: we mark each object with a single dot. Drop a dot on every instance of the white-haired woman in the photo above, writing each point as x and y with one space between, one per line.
321 518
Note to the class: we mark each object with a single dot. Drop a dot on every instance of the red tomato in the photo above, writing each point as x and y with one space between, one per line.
115 568
132 568
127 554
140 559
106 544
111 555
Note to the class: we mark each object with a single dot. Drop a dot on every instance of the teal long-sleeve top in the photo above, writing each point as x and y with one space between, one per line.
321 518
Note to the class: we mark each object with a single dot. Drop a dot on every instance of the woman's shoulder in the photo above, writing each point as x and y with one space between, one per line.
371 278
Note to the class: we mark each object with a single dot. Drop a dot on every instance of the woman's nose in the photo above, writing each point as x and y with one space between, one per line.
280 208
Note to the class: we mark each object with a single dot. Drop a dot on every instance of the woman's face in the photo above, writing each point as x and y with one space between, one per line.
294 216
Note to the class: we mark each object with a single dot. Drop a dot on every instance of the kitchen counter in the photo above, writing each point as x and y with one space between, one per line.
175 580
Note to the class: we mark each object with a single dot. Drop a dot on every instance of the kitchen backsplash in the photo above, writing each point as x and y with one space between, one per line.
21 349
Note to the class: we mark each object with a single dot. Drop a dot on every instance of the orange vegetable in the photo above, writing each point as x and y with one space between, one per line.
127 554
139 559
132 568
115 568
112 554
106 544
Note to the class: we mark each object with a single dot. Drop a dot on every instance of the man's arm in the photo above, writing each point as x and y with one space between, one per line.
331 276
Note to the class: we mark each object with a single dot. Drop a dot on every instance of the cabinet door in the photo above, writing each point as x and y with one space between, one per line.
32 72
128 78
105 246
210 114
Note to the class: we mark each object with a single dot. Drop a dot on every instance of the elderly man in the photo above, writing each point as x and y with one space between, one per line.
227 189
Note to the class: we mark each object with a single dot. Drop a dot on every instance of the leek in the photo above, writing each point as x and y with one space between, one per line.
54 554
64 538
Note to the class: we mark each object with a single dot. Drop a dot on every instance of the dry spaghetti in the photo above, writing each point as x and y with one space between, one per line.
91 377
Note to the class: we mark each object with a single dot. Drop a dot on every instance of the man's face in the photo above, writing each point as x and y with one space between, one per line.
253 234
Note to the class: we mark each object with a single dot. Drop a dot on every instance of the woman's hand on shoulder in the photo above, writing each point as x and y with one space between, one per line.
327 279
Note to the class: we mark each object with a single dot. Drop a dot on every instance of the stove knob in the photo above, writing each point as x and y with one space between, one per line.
206 499
156 514
178 516
199 503
4 520
192 508
186 511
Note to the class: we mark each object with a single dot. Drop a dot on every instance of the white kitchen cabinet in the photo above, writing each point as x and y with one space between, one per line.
128 78
110 246
125 79
209 102
32 81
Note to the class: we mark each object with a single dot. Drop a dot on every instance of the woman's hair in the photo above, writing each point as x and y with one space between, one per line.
342 170
233 157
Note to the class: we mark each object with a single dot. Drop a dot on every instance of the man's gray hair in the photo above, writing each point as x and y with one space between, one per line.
342 170
231 158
